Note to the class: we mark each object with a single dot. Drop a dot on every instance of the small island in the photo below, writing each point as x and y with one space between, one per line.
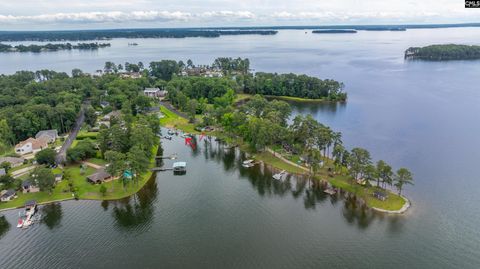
335 31
445 52
52 47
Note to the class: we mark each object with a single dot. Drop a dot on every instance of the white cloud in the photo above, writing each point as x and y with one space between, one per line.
52 14
98 17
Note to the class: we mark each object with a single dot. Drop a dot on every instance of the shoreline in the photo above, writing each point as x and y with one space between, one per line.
245 97
290 166
135 189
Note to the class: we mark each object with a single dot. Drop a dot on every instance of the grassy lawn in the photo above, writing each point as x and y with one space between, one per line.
13 169
172 120
86 190
297 99
97 161
41 197
242 97
85 134
268 158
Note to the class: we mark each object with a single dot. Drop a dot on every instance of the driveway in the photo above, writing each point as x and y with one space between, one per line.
62 153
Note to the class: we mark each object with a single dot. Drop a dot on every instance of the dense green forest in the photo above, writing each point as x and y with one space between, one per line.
122 33
52 47
444 52
302 86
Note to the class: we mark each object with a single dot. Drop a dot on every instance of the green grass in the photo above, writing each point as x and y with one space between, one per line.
296 99
86 190
242 97
85 134
172 120
268 158
97 161
13 169
40 197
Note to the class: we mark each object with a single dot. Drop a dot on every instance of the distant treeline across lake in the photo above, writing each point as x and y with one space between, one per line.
77 35
52 47
122 33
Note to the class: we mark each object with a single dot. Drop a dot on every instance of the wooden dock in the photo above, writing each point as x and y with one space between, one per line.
160 169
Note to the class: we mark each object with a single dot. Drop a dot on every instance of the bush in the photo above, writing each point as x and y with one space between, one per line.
103 190
46 156
85 149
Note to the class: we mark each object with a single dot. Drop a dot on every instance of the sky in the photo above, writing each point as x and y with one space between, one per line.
101 14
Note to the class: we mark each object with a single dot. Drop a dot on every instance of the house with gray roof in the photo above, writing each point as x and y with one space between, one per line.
49 135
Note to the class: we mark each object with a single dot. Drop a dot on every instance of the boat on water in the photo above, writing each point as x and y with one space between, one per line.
170 132
179 168
27 218
248 163
280 175
330 191
168 137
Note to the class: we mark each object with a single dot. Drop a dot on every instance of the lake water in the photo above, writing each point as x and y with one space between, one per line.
421 115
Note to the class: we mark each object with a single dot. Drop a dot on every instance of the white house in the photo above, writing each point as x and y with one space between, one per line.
31 145
154 92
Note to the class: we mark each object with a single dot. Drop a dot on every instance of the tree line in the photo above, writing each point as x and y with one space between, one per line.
122 33
444 52
51 47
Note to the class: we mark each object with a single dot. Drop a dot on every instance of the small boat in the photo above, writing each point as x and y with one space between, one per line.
30 210
330 191
280 175
20 223
168 137
170 132
179 168
248 163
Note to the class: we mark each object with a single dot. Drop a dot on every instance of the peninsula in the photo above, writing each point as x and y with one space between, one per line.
118 112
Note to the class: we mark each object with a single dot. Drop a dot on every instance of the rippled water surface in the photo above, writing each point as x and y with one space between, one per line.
421 115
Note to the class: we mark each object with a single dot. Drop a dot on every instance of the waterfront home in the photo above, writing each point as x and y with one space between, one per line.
49 135
7 195
31 145
58 177
13 161
29 187
99 176
152 92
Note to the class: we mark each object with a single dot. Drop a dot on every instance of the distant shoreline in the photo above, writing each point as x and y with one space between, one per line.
212 32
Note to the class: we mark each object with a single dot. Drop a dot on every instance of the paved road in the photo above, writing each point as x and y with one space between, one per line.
62 154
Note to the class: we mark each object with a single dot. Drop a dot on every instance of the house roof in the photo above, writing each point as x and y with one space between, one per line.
26 184
36 143
99 175
151 90
179 164
2 172
9 193
12 160
52 133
